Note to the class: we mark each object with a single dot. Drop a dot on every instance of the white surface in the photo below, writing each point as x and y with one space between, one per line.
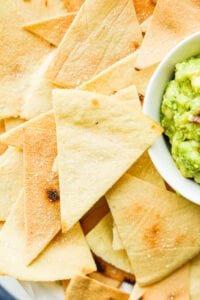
159 152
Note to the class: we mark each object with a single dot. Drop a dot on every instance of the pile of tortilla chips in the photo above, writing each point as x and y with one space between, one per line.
80 198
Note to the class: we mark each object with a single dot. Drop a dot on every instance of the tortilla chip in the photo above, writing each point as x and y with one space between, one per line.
120 75
84 288
52 29
150 223
41 189
17 62
11 123
102 33
137 292
100 242
116 243
14 137
176 286
145 25
104 279
144 9
67 255
168 27
11 183
96 135
194 278
73 5
144 169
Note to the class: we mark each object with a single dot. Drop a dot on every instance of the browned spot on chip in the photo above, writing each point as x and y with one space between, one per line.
53 195
95 102
151 234
46 3
179 239
141 97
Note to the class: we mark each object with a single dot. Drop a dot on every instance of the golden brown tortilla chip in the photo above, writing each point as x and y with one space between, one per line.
150 223
144 9
84 288
73 5
41 189
14 137
11 179
52 29
144 169
104 279
67 255
96 135
102 33
100 242
168 27
118 76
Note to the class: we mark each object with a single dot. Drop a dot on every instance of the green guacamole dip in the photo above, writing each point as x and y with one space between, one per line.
180 117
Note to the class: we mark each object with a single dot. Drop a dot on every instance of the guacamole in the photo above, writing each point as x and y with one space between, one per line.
180 117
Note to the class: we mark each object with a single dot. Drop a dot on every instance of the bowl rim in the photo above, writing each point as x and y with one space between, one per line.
188 188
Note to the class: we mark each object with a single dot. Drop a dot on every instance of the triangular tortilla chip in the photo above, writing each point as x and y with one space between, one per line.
118 76
11 123
104 279
41 189
67 255
144 169
102 33
85 288
175 286
168 27
52 29
96 135
73 5
144 9
159 230
14 137
11 183
100 242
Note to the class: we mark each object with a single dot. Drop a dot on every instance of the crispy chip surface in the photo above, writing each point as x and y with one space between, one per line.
96 135
159 230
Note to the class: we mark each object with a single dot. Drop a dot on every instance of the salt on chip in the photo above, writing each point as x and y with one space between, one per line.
67 255
52 29
100 242
84 288
102 33
159 230
73 5
96 135
168 27
11 183
41 189
120 75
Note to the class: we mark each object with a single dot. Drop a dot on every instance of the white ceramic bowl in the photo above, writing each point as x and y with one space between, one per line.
160 151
